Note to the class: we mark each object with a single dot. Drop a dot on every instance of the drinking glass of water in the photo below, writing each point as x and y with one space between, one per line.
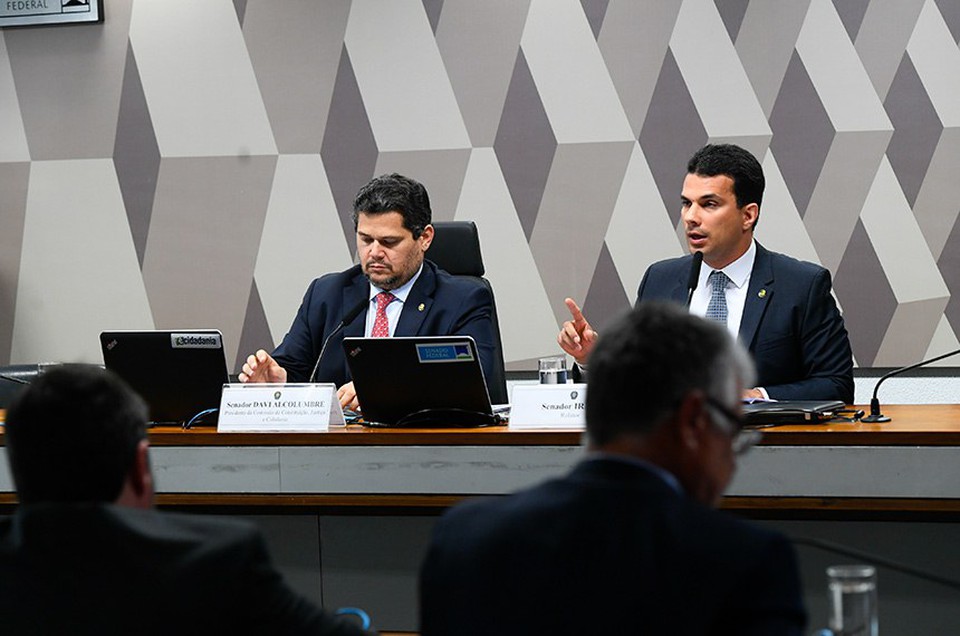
853 600
553 370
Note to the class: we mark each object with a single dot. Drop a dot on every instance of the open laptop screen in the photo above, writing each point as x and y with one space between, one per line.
179 373
419 381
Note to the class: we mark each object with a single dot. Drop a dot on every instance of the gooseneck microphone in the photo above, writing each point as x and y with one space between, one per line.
349 317
694 279
875 414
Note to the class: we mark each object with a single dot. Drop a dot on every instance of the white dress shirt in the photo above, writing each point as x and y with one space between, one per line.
739 274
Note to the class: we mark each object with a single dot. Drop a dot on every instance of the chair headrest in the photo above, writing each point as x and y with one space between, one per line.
456 248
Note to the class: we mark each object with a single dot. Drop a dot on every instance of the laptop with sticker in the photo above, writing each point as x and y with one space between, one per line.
419 381
179 373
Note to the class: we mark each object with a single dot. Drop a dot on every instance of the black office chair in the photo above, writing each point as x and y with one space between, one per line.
456 249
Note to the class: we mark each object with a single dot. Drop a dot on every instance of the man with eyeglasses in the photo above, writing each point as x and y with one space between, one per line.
629 541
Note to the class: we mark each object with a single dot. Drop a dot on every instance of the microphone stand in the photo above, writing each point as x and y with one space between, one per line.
347 319
694 277
875 415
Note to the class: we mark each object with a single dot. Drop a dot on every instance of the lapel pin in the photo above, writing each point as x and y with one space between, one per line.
420 307
762 293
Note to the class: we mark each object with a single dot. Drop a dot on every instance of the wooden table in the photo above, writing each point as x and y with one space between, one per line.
909 464
370 496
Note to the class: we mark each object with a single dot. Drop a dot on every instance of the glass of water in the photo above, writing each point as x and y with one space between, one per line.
853 600
553 370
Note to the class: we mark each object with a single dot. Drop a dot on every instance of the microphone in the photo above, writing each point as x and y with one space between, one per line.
875 414
694 279
349 317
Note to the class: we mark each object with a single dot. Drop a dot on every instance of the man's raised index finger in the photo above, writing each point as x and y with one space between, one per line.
575 311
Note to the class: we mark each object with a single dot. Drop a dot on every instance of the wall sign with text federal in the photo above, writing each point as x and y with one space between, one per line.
48 12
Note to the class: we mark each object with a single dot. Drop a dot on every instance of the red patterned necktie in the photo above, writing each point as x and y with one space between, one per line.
381 328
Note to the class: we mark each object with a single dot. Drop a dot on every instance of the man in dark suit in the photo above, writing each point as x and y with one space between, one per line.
628 542
85 553
394 289
780 308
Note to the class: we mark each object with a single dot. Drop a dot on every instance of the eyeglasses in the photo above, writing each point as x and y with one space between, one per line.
743 439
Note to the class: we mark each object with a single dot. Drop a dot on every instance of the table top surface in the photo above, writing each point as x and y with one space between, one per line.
910 425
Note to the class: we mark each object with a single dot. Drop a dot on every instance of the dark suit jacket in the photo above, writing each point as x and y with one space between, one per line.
790 324
103 569
608 549
450 306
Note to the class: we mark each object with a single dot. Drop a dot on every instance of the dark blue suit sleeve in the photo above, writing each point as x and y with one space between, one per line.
270 606
298 351
640 289
826 356
768 596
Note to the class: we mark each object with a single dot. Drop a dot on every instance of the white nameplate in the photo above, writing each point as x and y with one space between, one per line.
284 408
548 406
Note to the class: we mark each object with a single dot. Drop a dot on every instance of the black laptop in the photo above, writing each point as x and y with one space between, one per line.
791 412
179 373
419 381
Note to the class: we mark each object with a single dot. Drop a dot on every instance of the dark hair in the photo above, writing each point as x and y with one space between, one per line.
649 359
734 162
72 435
395 193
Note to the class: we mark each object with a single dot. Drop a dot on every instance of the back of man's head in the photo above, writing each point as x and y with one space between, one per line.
649 360
72 436
734 162
395 193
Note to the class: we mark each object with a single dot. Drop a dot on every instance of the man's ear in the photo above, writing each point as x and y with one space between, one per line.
690 420
137 491
426 237
751 212
143 476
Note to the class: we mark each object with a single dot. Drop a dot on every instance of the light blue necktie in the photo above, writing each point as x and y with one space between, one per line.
717 309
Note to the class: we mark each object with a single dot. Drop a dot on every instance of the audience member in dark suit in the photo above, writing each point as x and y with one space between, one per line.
85 553
780 308
629 541
392 217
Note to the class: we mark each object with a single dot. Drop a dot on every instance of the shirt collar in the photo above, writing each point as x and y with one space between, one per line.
739 270
400 293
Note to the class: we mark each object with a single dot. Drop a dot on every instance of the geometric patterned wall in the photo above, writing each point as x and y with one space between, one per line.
191 164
